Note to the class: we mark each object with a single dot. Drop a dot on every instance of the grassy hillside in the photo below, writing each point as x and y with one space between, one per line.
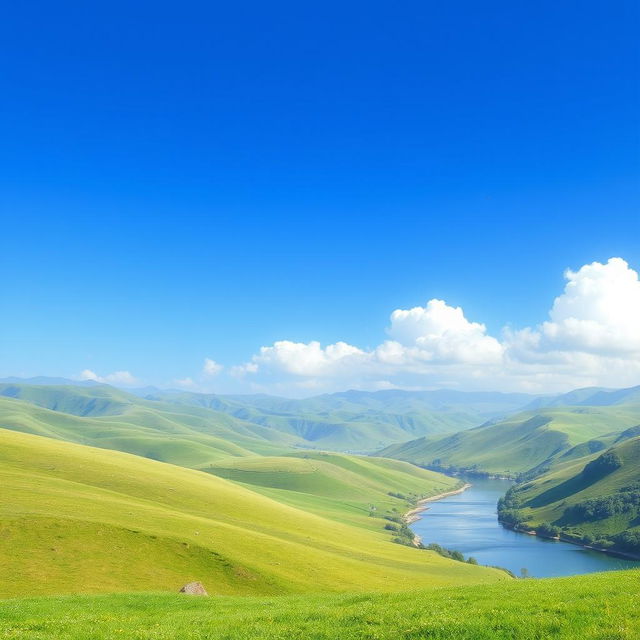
105 417
519 443
346 488
75 519
591 607
592 499
95 400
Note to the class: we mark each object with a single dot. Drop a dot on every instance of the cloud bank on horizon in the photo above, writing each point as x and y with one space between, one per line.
592 338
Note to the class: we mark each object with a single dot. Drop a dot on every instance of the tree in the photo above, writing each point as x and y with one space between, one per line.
603 465
548 530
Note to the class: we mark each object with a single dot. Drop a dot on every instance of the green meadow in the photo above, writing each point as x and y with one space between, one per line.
593 607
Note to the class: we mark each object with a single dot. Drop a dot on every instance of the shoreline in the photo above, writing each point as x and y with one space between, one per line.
414 514
624 555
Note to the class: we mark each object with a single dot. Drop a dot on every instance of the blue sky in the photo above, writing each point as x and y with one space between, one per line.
180 182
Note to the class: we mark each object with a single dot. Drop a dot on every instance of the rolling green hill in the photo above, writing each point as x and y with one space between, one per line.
106 417
595 498
592 607
520 443
76 519
346 488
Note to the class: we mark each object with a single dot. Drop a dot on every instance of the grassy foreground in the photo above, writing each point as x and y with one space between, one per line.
593 607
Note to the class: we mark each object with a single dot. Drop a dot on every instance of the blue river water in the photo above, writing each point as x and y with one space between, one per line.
467 522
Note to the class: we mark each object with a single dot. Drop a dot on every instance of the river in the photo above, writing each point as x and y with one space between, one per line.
468 523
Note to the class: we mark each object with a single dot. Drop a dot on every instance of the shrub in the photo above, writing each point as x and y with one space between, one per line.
546 529
628 541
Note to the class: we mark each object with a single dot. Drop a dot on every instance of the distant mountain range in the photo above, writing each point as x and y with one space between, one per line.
414 424
48 380
358 421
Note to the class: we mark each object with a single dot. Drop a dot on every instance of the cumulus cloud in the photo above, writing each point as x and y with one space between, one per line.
426 342
211 367
599 311
124 378
309 359
441 333
591 337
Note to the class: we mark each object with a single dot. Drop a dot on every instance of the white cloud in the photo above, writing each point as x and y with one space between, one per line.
599 311
592 337
124 378
310 359
211 367
441 333
241 370
185 383
429 339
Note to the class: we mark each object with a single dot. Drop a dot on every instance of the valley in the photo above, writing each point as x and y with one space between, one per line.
109 492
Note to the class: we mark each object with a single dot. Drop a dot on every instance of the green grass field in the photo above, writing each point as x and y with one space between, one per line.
593 607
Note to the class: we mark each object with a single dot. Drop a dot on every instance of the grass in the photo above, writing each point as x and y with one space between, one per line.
77 519
520 442
593 607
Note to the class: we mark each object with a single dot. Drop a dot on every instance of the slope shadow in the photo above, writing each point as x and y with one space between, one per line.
561 491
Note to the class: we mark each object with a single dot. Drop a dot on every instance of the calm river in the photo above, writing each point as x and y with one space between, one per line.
468 523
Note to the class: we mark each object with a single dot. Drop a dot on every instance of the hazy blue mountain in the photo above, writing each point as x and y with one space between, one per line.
589 396
48 380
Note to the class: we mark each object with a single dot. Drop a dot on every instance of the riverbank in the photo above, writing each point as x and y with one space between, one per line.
414 514
612 552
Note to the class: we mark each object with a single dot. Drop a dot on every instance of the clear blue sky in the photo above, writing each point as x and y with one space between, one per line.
181 180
